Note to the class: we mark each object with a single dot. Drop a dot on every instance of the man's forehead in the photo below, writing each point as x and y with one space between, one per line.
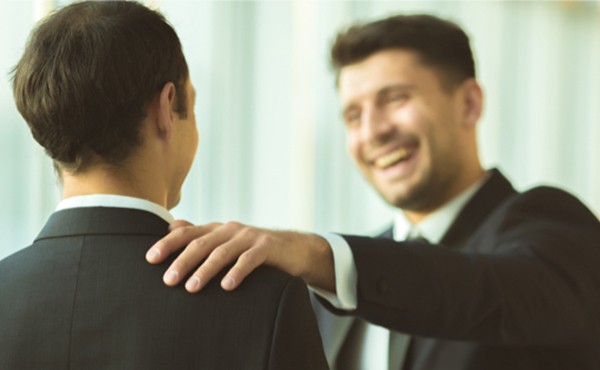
398 68
374 74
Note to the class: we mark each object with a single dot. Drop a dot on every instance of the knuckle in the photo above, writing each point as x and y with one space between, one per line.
196 244
179 224
210 265
233 225
201 273
181 231
248 233
260 249
248 258
264 241
220 255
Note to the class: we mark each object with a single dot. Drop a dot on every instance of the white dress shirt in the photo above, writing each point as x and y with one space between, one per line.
115 201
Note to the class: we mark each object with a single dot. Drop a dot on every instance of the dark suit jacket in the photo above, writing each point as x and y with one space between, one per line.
515 285
83 297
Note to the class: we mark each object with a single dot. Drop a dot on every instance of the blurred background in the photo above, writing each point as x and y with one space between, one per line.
272 143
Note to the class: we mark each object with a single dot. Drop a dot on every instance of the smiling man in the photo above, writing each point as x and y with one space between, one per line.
411 134
498 280
105 89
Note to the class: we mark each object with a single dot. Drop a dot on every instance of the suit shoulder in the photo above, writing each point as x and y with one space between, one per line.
547 201
272 279
548 193
543 211
18 262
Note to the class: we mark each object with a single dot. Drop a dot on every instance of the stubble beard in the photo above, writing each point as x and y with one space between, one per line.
424 196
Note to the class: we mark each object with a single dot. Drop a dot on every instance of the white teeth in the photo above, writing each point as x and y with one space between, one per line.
391 158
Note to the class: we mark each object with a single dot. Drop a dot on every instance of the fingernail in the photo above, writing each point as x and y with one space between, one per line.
228 283
192 284
152 255
171 277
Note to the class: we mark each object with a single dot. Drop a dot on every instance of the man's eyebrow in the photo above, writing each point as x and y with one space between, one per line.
347 108
383 91
396 87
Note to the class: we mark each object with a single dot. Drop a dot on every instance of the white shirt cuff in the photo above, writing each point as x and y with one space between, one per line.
345 274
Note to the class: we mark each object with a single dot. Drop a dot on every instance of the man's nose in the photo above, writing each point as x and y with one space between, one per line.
375 125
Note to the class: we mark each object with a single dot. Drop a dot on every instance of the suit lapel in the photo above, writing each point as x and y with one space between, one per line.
492 193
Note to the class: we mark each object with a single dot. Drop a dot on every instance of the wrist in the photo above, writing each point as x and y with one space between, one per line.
318 268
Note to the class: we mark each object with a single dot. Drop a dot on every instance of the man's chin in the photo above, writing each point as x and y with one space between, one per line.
404 197
395 199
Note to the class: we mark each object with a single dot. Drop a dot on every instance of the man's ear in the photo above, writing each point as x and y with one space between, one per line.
166 100
473 102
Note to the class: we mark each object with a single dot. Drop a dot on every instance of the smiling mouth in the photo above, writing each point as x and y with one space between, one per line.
392 158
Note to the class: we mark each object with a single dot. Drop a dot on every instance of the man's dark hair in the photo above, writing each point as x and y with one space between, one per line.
88 74
439 43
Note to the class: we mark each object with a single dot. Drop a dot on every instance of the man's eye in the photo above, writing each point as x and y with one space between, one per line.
352 118
396 97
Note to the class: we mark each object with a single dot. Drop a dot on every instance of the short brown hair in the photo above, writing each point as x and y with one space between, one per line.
87 75
439 43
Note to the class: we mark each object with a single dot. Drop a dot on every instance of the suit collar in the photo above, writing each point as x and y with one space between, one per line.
102 220
495 191
115 201
436 224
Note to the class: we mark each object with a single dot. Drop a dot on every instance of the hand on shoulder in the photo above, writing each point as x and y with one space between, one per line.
210 248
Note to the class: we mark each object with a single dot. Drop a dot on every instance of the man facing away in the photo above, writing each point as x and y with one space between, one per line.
504 280
105 89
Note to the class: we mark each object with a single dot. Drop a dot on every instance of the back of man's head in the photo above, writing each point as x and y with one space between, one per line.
440 44
87 75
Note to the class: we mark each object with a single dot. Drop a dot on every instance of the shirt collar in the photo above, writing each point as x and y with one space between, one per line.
434 226
115 201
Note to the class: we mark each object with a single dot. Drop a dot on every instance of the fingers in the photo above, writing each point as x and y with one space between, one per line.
194 254
234 244
245 264
179 223
213 248
176 239
218 245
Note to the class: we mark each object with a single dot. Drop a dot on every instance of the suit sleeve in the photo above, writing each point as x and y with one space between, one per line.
529 276
296 340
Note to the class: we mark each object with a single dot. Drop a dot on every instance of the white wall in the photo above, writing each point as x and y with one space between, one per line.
272 148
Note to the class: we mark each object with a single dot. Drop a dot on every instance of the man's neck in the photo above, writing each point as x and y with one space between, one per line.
105 181
476 177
